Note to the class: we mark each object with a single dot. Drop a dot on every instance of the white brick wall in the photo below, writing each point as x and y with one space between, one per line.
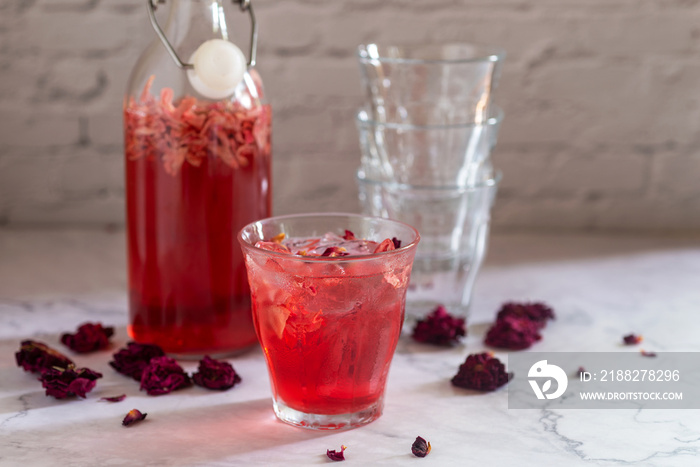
602 100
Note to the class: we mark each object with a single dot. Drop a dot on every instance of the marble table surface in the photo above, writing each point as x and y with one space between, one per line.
601 288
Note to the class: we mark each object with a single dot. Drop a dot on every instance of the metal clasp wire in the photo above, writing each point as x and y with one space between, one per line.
245 5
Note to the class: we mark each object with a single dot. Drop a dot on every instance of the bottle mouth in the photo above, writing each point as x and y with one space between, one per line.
245 6
217 68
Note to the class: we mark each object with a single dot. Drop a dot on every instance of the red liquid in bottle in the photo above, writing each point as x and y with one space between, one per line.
196 173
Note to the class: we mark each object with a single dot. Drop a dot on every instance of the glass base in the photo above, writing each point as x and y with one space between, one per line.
344 421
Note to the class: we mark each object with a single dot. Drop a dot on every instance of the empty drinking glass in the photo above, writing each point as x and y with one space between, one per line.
428 155
430 84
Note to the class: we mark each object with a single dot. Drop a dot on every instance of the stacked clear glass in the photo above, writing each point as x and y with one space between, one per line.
427 131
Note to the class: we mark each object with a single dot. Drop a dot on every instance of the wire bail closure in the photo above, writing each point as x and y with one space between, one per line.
245 5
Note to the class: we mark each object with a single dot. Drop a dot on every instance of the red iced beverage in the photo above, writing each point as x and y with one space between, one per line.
328 311
196 172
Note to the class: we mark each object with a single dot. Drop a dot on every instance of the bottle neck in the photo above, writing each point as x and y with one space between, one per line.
191 22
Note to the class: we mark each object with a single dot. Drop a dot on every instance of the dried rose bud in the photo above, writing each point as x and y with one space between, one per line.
88 338
482 372
538 313
334 251
215 374
336 455
420 447
439 328
113 398
133 416
62 383
132 360
163 375
38 357
647 354
513 333
386 245
632 339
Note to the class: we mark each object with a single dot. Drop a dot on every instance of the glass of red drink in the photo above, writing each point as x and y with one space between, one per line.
328 315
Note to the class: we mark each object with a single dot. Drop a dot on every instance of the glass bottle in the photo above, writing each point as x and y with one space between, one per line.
197 170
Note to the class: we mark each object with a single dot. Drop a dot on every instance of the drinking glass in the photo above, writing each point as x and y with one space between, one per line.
426 131
430 84
456 154
328 325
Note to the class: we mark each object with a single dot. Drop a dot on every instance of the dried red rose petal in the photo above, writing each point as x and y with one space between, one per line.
113 398
439 328
163 375
336 455
396 242
647 354
386 245
632 339
482 372
62 383
88 338
133 416
536 312
190 130
334 251
131 360
38 357
420 447
349 235
215 374
513 333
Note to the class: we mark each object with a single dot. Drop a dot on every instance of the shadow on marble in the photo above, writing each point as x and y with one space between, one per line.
444 389
32 400
173 437
407 346
472 343
479 329
28 394
246 426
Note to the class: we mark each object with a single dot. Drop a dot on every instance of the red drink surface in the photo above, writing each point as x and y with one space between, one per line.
320 246
328 328
196 172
